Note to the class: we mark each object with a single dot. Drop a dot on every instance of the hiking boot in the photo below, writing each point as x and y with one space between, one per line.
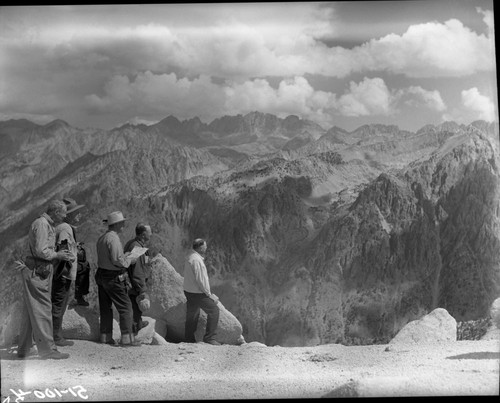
213 342
135 343
137 328
128 340
64 342
82 302
111 342
54 355
22 354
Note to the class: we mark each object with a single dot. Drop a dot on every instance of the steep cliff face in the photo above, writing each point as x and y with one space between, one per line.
342 237
356 272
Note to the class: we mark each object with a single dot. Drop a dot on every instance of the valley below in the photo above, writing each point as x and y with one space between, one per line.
315 237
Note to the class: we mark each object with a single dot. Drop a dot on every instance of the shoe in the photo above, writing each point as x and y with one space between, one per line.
64 342
82 302
55 355
132 344
128 340
111 342
22 355
213 342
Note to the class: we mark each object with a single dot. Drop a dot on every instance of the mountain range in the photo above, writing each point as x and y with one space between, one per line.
314 236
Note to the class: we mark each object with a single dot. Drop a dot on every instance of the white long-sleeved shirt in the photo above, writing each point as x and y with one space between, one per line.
195 274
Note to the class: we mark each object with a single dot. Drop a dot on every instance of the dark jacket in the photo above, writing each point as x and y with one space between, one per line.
139 272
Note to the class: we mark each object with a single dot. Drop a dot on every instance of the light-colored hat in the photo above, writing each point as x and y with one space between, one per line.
114 217
71 205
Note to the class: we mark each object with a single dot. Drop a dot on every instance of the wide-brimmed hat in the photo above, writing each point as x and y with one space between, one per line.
114 217
71 205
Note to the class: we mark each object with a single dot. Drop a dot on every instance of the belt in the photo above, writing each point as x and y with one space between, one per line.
38 259
111 271
33 262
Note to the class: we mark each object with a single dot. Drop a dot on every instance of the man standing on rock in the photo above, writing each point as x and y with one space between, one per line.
139 276
65 272
36 279
111 278
198 295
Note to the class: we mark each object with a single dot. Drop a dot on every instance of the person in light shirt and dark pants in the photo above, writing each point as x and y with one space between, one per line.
112 278
198 295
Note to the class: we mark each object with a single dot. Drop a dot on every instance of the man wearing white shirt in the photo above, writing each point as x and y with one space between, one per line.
198 295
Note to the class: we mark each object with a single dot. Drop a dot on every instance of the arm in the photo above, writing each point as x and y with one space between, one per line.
138 276
116 253
65 232
42 248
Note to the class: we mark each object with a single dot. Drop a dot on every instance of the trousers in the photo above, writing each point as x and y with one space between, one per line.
195 302
60 298
82 281
112 291
36 320
136 313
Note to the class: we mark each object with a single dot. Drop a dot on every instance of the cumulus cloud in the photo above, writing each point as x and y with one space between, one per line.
249 43
431 50
488 18
150 96
369 97
158 95
481 104
417 96
216 61
240 51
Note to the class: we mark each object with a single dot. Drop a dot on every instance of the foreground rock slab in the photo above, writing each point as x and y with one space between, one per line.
200 371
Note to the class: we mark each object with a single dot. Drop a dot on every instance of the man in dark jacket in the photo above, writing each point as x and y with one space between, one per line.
82 281
139 275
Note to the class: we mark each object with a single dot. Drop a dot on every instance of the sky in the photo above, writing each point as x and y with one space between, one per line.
345 63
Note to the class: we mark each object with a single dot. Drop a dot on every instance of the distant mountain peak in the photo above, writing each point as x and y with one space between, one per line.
56 124
17 124
170 119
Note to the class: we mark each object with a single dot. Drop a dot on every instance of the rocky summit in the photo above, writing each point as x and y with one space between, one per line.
315 235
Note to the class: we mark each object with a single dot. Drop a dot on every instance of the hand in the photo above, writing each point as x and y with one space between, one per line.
65 255
19 265
144 304
214 298
133 260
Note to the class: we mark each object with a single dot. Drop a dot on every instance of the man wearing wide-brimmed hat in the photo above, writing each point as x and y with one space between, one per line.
65 272
111 278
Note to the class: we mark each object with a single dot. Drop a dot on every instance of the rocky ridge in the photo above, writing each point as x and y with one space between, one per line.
342 237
